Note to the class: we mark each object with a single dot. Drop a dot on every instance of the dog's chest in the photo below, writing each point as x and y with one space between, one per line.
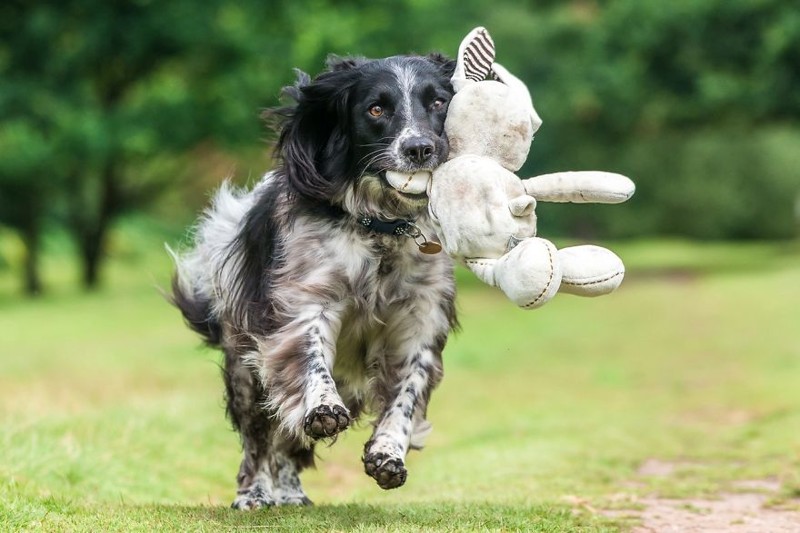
380 279
381 272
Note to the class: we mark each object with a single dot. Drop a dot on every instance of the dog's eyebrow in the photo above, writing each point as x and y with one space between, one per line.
379 94
430 91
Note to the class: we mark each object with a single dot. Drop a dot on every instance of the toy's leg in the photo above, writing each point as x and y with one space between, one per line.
590 270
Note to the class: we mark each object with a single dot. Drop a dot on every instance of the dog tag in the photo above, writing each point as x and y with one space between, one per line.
430 247
426 246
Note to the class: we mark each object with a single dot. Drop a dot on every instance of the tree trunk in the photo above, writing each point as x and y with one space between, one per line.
31 238
91 256
92 235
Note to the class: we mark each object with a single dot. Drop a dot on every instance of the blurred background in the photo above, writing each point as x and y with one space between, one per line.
118 118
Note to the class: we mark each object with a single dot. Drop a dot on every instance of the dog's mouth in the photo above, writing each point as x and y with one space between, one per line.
412 184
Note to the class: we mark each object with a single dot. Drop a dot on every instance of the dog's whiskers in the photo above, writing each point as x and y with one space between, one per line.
379 160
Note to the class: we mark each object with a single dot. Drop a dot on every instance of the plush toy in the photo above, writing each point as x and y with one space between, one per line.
486 214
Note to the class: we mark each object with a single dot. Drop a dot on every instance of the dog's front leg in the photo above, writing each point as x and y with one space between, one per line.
297 370
402 419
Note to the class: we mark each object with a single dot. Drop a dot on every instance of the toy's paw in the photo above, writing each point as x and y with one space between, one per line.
530 274
326 421
414 183
590 270
389 472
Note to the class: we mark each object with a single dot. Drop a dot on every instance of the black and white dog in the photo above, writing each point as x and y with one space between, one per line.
313 283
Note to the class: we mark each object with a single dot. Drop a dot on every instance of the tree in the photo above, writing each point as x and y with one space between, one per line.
110 85
24 192
688 97
695 100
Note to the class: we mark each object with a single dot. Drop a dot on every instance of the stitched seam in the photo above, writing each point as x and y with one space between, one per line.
549 282
478 262
612 276
408 181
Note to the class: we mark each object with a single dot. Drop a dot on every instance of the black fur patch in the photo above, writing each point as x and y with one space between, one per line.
196 312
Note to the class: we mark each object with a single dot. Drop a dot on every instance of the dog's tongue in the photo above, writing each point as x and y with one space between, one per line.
416 183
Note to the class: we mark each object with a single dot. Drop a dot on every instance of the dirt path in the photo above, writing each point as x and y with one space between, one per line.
730 513
745 509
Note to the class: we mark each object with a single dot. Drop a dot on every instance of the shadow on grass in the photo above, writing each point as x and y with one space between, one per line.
411 517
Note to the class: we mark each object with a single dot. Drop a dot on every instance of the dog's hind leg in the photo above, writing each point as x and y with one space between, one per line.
286 462
244 395
268 474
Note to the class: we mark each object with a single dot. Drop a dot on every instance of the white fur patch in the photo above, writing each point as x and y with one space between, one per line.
207 270
406 79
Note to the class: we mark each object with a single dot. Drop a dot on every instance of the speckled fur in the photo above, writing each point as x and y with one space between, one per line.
320 319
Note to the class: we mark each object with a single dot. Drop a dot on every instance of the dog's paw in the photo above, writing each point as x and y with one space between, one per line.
326 421
295 500
253 498
390 473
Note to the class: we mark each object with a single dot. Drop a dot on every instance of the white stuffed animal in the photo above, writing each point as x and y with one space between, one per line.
485 213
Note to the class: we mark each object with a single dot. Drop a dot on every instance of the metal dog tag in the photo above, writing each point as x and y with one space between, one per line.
425 246
430 247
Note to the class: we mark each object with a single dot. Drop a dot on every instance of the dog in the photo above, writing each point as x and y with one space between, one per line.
313 283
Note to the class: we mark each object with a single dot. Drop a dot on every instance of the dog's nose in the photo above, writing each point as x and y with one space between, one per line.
418 149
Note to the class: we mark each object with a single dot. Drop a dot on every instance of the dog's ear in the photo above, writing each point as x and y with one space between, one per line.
337 63
445 64
312 143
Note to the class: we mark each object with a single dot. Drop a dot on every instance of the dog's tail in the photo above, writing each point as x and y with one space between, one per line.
195 306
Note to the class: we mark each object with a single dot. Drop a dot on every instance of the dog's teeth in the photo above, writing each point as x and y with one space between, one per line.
416 183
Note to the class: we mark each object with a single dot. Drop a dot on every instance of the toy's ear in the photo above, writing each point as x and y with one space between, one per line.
475 58
517 90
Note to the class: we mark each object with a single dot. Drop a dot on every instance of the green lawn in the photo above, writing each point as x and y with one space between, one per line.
113 419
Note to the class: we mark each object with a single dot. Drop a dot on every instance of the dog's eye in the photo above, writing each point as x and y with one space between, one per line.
376 111
438 104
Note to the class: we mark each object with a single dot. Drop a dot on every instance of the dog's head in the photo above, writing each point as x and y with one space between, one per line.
358 132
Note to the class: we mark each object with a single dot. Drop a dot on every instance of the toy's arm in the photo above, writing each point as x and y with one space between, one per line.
580 187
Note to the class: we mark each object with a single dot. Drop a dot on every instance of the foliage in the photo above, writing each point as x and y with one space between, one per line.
113 107
694 100
103 88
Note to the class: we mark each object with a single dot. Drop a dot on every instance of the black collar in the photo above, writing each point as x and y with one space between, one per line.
401 227
389 227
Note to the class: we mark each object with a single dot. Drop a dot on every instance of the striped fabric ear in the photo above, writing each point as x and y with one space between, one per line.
477 53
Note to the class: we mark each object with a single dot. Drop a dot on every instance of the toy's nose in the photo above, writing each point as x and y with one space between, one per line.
418 150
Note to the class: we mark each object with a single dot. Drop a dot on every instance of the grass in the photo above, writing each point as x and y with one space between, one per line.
113 416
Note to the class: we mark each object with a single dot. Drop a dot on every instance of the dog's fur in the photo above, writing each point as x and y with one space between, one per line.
321 319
